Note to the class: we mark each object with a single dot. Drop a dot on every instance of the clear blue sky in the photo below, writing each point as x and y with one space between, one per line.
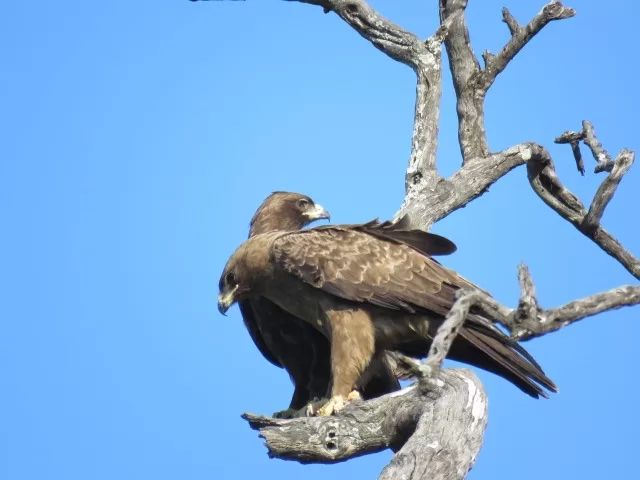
139 137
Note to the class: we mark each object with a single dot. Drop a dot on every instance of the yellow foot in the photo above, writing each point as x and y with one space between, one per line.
354 396
334 405
312 407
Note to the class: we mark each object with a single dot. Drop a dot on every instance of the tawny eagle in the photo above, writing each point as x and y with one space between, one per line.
291 343
287 341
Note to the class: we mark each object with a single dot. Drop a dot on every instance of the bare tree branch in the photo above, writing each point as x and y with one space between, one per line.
426 202
471 83
529 321
528 305
427 371
520 36
599 154
545 182
559 317
464 67
399 44
447 333
588 136
419 425
427 206
607 189
424 141
512 23
425 59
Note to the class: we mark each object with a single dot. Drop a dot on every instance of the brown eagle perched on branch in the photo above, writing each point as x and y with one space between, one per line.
289 342
369 288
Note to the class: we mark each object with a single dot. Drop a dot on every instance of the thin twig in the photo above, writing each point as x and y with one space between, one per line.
529 321
607 189
520 36
601 156
545 183
588 136
512 23
528 304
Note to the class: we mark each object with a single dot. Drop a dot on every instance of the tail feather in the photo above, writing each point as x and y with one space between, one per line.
493 351
483 345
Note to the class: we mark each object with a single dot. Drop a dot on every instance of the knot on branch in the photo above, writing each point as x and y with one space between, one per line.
526 318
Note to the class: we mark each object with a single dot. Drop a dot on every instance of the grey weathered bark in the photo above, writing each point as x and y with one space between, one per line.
436 426
433 430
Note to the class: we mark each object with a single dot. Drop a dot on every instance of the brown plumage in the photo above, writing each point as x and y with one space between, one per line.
369 290
284 340
291 343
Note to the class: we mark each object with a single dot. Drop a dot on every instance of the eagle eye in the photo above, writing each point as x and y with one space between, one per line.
303 203
230 278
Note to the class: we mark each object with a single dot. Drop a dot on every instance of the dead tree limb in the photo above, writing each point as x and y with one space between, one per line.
434 432
545 182
529 321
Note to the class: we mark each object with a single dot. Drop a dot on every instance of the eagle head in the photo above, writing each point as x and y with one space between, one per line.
286 211
243 275
231 286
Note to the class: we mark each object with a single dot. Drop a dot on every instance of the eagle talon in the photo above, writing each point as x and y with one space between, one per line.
334 405
312 407
354 396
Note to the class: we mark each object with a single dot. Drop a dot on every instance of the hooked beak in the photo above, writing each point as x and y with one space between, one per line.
225 301
317 212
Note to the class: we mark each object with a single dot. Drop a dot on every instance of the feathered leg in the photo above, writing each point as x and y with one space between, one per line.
352 347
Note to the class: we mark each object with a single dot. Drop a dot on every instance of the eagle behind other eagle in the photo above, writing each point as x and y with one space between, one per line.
291 343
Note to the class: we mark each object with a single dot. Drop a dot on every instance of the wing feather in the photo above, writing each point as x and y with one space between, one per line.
251 317
401 232
358 266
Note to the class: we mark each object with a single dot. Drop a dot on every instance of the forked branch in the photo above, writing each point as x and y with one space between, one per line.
545 182
470 81
520 36
588 136
528 320
464 67
429 202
